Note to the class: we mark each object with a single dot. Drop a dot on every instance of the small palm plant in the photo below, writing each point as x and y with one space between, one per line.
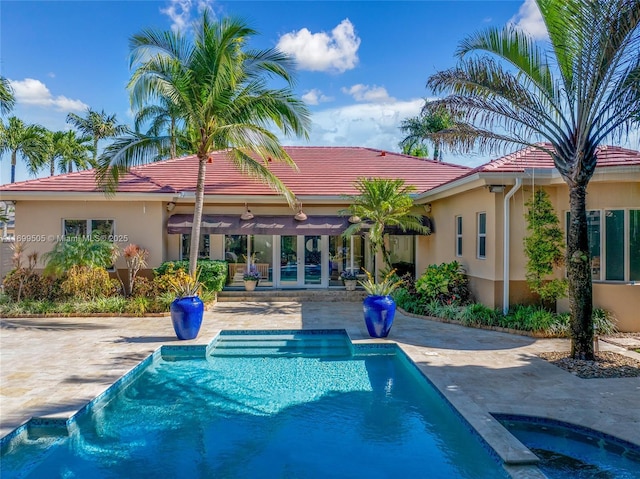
187 286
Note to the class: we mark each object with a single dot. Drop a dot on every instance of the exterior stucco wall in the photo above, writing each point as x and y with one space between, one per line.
135 222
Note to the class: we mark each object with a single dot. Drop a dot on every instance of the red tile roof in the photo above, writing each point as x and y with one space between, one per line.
323 171
532 157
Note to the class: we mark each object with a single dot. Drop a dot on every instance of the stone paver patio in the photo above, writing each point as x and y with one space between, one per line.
54 366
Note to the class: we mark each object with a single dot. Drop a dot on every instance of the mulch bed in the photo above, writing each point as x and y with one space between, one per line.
607 365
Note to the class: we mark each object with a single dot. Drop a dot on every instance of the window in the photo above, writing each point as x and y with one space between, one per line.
482 235
458 235
203 250
614 244
105 229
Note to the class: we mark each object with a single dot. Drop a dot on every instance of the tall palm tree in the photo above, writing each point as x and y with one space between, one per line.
425 126
97 125
383 202
577 94
7 97
27 141
164 118
66 150
221 92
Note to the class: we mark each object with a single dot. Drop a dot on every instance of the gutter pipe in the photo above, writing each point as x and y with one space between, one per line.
507 237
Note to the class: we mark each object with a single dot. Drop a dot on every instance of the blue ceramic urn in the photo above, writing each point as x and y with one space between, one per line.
379 312
186 316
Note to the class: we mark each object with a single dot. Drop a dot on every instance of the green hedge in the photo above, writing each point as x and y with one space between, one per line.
213 273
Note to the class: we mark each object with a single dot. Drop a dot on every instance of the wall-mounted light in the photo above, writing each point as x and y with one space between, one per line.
496 188
247 214
300 215
427 208
354 219
170 206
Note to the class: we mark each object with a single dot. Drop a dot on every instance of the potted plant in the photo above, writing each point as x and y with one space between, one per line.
187 309
251 279
350 279
379 307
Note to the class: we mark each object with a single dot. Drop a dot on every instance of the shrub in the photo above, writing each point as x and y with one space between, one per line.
143 288
87 252
88 283
213 273
168 278
445 283
603 322
476 314
26 284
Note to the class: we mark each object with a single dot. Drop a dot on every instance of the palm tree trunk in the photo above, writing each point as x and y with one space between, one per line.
95 149
197 216
174 150
13 166
52 167
579 275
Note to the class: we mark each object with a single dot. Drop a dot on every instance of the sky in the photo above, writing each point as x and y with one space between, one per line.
362 66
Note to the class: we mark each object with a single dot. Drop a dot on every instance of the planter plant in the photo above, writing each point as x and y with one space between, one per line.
187 309
379 307
350 279
251 279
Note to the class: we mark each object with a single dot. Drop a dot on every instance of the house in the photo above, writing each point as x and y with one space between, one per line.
473 214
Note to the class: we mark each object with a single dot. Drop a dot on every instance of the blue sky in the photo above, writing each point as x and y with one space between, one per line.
362 66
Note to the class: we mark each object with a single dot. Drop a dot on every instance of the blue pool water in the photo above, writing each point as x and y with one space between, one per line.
568 452
288 406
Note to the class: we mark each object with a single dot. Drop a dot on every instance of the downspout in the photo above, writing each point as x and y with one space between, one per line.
507 236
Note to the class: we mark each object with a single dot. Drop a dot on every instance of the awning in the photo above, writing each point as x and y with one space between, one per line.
260 225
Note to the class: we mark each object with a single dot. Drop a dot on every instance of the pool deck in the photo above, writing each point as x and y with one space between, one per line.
51 367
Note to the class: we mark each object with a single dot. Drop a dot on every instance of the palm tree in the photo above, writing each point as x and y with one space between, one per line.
7 97
28 141
67 149
425 126
163 117
575 96
220 90
383 202
97 125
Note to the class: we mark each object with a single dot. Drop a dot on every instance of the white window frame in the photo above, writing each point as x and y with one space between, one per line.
459 244
481 235
603 247
89 228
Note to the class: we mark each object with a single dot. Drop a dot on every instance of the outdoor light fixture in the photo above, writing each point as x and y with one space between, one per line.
300 216
427 208
247 215
355 219
170 206
496 188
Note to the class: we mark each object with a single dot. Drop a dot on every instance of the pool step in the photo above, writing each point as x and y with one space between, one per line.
326 345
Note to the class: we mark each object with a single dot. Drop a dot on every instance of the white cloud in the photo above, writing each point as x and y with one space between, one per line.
530 20
321 51
315 97
33 92
374 125
370 94
179 12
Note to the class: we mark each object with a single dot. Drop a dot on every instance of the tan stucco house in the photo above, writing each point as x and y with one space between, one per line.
476 216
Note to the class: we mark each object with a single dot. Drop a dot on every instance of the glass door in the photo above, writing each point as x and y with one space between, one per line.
289 261
312 253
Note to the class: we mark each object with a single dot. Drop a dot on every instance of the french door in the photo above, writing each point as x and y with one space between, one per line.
303 260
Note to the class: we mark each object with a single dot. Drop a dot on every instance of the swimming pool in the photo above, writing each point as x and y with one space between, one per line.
283 405
571 452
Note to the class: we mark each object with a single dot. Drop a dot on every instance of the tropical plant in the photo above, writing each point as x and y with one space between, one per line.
445 283
575 95
187 286
384 287
544 247
78 251
136 259
88 283
423 127
164 119
213 273
28 141
382 202
66 150
221 92
98 126
7 97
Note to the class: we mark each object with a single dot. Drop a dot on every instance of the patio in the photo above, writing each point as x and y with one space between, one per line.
53 366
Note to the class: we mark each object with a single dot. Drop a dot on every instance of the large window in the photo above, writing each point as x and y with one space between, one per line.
402 252
104 229
203 249
614 244
459 236
482 235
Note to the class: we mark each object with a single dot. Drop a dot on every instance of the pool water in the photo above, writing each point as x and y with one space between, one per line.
568 452
286 407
